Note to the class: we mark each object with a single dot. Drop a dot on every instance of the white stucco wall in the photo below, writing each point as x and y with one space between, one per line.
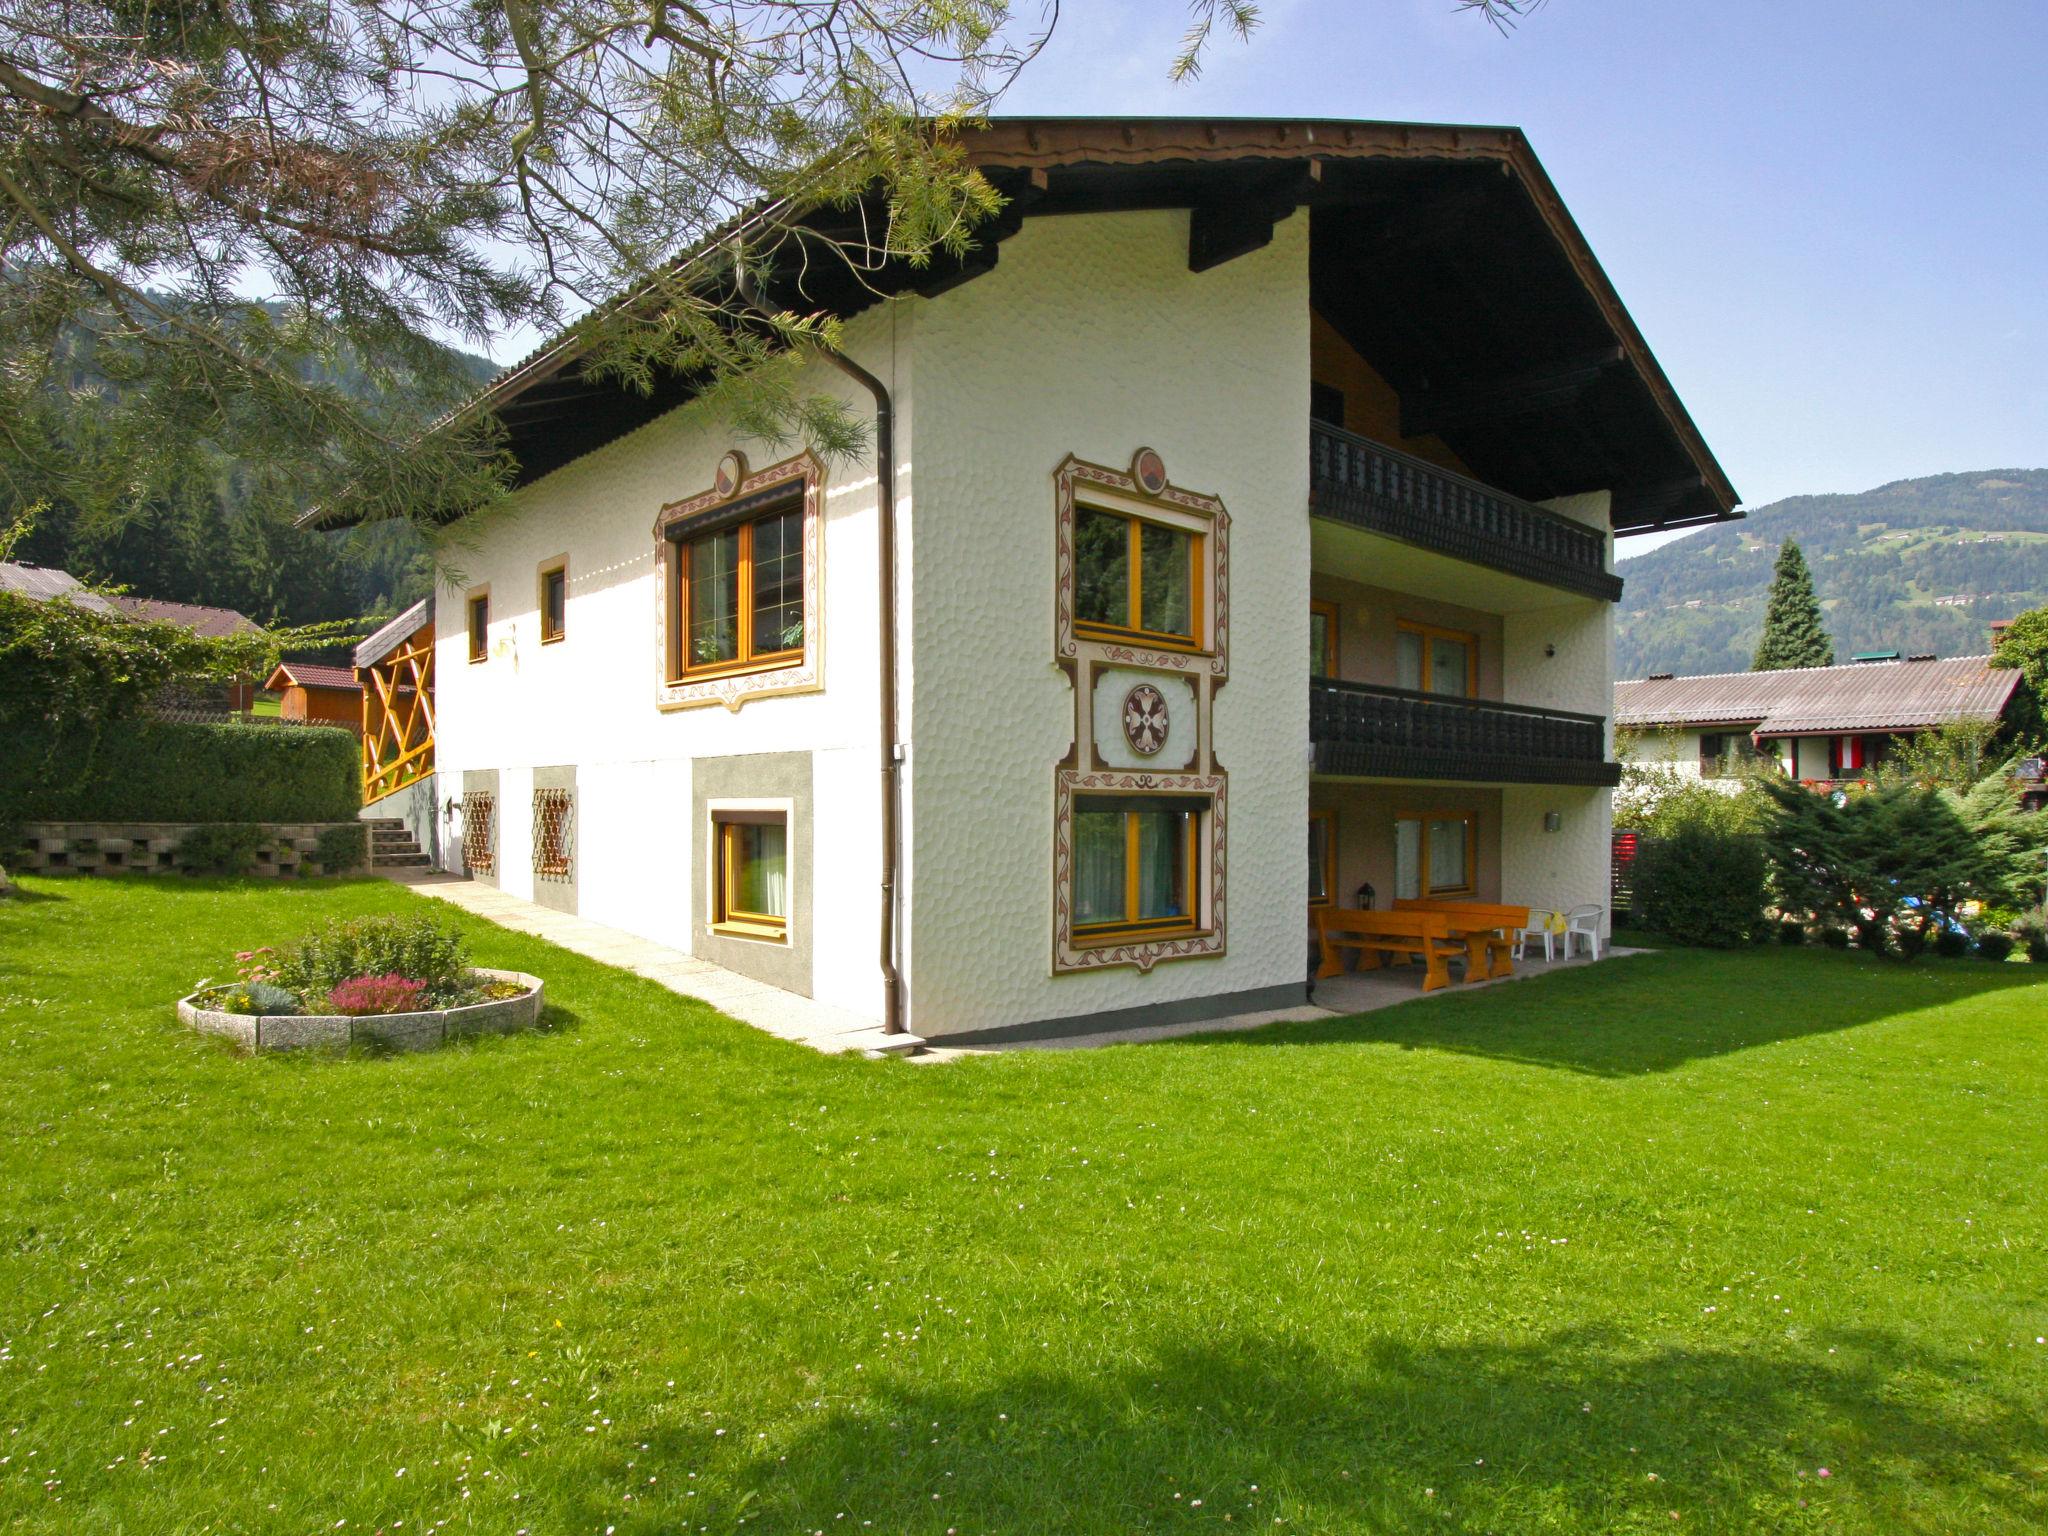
589 701
1093 338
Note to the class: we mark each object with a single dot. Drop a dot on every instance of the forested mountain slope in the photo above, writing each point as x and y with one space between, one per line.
1915 566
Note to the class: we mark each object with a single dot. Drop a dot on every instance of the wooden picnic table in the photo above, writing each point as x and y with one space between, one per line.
1488 930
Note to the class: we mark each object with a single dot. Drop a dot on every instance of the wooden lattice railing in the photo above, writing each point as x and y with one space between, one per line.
398 717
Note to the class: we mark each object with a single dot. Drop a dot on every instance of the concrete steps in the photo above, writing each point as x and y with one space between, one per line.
392 845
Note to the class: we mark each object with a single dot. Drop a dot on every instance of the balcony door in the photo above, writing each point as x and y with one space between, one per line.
1432 660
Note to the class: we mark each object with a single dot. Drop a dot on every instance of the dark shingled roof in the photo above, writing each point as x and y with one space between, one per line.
312 674
213 623
42 583
1817 701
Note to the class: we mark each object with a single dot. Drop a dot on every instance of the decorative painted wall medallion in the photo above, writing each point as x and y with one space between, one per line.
732 470
1149 470
1145 720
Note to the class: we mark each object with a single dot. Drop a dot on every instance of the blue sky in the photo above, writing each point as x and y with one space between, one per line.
1830 220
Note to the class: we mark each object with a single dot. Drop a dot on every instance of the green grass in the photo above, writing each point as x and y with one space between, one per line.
1658 1239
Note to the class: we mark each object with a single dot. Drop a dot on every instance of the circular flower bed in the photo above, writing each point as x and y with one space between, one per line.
401 983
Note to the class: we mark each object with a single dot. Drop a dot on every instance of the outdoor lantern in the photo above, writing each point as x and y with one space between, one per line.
1553 821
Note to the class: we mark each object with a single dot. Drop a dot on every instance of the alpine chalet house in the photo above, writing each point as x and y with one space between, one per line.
1235 533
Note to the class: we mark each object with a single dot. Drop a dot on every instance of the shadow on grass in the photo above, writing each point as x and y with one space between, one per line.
1570 1432
21 896
1652 1013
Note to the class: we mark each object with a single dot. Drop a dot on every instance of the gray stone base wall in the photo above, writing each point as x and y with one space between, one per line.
151 848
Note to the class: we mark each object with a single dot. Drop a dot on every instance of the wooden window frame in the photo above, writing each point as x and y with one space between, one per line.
1329 612
1098 935
680 669
727 916
478 653
559 564
1191 643
1468 638
1471 819
1329 821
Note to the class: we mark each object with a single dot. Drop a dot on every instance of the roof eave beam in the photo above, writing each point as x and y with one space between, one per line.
1424 411
1224 230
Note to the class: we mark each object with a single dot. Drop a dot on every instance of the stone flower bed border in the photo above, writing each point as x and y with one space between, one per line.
396 1031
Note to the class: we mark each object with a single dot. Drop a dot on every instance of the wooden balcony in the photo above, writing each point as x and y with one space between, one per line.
1362 731
1355 480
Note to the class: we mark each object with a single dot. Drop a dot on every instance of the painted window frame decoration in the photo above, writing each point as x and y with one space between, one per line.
477 638
1424 890
556 566
728 824
739 498
1145 493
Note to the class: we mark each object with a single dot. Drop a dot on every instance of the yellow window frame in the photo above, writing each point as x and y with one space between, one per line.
1146 928
1428 632
1471 821
681 668
1134 578
730 917
559 566
1329 612
1328 820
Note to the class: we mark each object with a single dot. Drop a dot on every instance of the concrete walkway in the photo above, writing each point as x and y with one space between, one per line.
782 1014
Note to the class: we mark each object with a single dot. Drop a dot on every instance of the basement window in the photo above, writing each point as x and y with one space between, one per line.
750 885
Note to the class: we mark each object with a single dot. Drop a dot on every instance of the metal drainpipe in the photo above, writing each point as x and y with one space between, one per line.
885 506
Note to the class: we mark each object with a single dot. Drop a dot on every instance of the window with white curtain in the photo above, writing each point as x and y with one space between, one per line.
752 879
1434 855
1135 863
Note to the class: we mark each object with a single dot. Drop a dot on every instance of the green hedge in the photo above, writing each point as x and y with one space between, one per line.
165 771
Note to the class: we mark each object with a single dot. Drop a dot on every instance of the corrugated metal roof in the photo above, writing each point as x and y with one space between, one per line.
387 639
42 583
1873 696
313 674
213 623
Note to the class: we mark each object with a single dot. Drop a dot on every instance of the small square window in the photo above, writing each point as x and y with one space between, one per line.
479 626
1135 579
750 886
554 603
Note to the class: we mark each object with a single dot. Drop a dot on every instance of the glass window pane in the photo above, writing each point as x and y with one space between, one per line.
779 583
1447 854
1102 569
554 591
1162 864
1318 859
714 630
1407 859
1318 643
760 885
1098 866
1448 666
479 625
1407 659
1166 591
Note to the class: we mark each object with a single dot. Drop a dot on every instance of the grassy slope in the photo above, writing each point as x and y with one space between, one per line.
1668 1236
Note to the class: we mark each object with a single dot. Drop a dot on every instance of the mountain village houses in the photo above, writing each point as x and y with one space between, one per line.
1820 725
1234 535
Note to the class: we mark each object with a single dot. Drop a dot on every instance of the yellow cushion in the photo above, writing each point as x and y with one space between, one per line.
1555 922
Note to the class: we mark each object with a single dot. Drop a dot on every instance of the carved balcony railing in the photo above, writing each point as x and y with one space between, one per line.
1355 480
1361 731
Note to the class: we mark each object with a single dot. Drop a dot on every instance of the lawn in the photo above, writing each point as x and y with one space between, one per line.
1743 1242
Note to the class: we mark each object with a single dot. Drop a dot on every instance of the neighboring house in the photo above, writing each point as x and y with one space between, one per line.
1251 489
43 583
312 693
1817 724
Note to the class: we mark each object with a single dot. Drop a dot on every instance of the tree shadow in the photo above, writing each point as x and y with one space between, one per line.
1655 1012
1574 1431
21 896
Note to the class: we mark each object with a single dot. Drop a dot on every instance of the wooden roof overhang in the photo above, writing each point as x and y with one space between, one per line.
1443 254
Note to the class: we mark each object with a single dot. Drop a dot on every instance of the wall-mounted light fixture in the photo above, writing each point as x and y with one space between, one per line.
1550 648
1553 821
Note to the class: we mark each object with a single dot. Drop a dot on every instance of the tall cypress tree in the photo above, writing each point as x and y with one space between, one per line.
1794 634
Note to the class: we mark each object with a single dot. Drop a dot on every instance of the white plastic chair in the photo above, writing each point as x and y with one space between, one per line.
1539 929
1583 923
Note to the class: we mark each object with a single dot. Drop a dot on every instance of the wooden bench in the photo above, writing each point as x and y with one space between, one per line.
1374 934
1487 930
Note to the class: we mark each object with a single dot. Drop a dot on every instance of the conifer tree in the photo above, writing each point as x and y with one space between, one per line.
1794 633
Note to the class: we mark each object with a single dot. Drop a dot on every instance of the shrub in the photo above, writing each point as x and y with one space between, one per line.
1791 933
1701 886
416 948
2032 932
227 848
343 848
144 770
1835 936
1995 944
1951 943
361 995
256 997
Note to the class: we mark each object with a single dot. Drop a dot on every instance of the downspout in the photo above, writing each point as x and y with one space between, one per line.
885 595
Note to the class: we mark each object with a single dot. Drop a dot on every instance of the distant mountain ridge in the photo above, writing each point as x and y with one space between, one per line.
1916 566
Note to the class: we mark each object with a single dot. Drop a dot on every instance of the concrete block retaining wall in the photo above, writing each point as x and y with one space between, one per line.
151 847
